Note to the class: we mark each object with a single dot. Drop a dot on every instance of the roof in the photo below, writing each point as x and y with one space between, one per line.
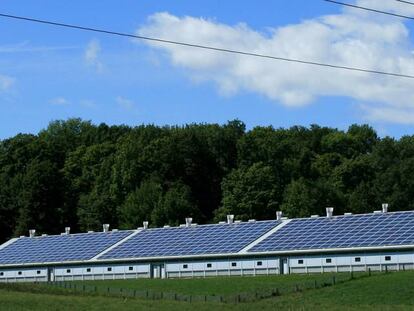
338 233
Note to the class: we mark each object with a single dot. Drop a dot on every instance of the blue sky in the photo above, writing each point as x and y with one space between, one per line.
49 73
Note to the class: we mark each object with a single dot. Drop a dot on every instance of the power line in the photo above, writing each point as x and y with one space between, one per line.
403 1
205 47
369 9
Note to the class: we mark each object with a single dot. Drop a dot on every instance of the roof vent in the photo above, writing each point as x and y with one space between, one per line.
230 219
279 215
91 231
237 221
115 230
188 221
329 212
314 216
67 230
252 220
32 233
145 224
384 207
347 214
22 236
167 226
44 234
222 222
377 212
105 227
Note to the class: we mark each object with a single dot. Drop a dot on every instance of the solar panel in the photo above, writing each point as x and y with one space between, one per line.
59 248
379 229
194 240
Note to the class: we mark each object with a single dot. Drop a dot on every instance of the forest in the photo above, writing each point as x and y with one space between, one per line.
78 174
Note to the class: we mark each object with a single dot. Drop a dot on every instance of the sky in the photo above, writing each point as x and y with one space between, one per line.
49 73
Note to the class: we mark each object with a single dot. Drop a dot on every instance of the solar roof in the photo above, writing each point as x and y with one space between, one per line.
368 230
194 240
59 248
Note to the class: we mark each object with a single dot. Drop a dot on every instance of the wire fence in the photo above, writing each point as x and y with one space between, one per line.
73 288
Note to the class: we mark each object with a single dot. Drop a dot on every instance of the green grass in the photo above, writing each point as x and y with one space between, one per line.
392 291
217 286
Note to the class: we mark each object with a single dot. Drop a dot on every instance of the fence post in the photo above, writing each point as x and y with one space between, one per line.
386 269
333 280
146 294
352 275
315 284
369 271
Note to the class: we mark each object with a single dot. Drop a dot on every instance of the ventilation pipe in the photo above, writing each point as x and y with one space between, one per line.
32 233
384 207
105 228
188 222
145 224
329 212
67 230
230 219
279 215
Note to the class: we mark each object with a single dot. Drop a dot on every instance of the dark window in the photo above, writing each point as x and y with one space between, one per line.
328 260
234 264
109 269
357 259
88 269
1 273
300 261
131 268
185 266
387 258
38 272
19 273
209 265
68 271
259 263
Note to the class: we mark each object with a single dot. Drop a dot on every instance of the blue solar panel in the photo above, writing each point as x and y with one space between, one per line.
195 240
59 248
377 229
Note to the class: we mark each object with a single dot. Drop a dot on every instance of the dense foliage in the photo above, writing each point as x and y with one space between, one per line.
77 174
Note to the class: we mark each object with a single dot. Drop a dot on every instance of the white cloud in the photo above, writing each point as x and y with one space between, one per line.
91 55
352 38
125 103
6 82
59 101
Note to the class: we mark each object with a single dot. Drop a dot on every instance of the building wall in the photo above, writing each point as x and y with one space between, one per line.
215 267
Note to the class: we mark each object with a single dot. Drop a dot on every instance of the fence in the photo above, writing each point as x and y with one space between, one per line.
68 288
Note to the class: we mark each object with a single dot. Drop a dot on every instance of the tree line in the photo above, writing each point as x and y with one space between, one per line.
77 174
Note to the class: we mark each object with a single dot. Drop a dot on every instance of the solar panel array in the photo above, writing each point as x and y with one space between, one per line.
195 240
59 248
377 229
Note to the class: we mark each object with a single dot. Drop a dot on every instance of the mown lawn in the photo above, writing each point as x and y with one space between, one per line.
392 291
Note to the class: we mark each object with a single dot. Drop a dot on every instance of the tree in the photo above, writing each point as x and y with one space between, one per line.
250 192
177 204
140 204
300 199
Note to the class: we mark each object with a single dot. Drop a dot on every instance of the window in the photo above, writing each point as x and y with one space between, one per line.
131 268
109 269
259 263
209 265
234 264
300 261
357 259
19 273
387 258
328 260
38 272
185 266
88 269
1 273
68 271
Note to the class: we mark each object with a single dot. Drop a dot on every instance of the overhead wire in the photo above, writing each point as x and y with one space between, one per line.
369 9
205 47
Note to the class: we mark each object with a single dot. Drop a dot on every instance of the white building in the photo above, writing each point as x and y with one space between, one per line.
376 241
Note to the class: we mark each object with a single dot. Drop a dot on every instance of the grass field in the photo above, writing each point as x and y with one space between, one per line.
392 291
